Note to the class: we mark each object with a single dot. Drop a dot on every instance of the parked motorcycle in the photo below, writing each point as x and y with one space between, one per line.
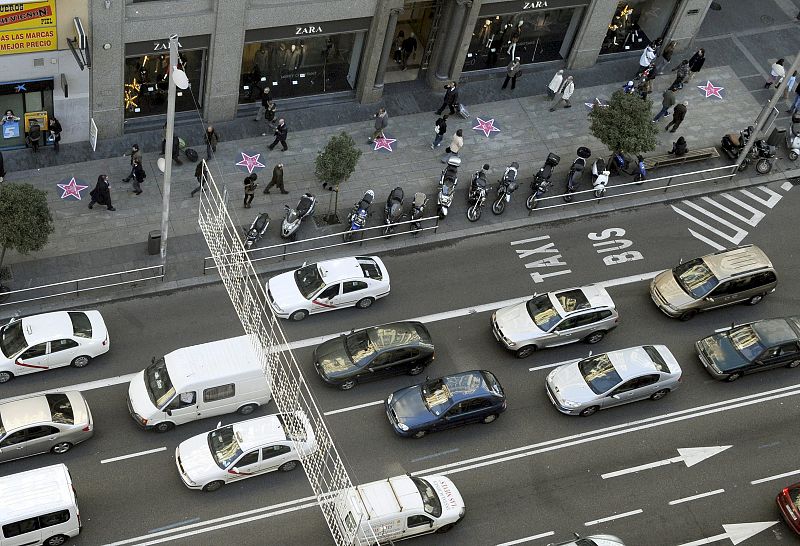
600 176
734 144
541 181
505 187
447 186
257 230
294 216
476 196
640 174
764 156
393 211
575 171
793 138
357 219
417 208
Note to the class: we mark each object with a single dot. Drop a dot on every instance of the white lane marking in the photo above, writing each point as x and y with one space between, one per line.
695 497
99 384
545 366
531 240
528 539
174 525
434 455
612 518
351 408
775 477
628 280
735 532
786 186
688 455
139 454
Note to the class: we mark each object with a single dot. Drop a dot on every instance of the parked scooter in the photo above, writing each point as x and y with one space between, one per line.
357 219
764 156
476 196
506 186
793 138
417 208
541 181
640 174
393 211
575 171
733 144
294 216
257 230
600 176
447 186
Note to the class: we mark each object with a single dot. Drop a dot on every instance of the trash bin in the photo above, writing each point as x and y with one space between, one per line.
154 243
777 136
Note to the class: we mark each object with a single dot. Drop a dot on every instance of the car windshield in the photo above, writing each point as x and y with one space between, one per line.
294 426
436 396
60 408
492 383
794 494
359 346
695 278
81 325
12 339
658 360
308 280
542 312
430 500
224 446
599 373
158 384
745 340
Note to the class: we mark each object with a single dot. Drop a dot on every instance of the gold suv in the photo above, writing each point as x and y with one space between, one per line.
742 274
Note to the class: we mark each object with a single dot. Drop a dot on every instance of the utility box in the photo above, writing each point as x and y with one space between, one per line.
777 136
154 243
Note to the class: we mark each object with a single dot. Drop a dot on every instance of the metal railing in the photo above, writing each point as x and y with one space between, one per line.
83 285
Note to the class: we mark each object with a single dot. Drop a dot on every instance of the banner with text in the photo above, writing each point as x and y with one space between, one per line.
27 27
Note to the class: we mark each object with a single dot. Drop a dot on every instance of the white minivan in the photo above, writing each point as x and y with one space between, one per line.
38 507
196 382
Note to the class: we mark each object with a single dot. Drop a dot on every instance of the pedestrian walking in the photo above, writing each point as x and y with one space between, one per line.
136 155
450 99
629 88
138 177
796 104
269 115
667 102
198 174
176 148
280 135
277 179
776 74
409 47
101 193
212 138
266 97
790 85
677 117
34 136
563 94
696 63
513 70
647 57
555 84
381 122
250 186
439 130
456 143
55 132
398 47
679 147
663 60
681 73
644 88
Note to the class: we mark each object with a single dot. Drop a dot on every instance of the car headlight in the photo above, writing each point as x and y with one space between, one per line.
510 343
277 307
570 404
402 426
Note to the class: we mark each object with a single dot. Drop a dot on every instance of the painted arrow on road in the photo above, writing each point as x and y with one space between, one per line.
737 532
689 455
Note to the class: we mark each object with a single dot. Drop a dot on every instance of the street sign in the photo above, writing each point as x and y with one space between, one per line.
93 134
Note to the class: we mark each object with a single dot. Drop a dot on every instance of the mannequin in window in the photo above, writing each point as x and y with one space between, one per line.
295 55
261 59
282 55
515 35
485 32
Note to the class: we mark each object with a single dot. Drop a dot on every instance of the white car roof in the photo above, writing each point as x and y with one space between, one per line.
632 362
259 431
596 295
210 361
46 327
37 491
33 409
342 269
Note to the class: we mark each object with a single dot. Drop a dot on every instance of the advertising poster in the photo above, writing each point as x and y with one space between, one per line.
27 27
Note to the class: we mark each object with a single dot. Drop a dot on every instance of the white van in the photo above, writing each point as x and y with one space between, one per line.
398 508
197 382
39 507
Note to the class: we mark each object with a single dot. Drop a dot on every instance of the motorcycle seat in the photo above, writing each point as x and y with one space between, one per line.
451 171
512 185
261 221
304 205
734 139
395 210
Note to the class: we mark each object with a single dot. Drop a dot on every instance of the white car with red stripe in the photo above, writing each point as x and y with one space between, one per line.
328 285
51 340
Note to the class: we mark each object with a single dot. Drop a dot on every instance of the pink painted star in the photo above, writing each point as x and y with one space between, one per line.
250 162
711 90
487 127
385 143
72 189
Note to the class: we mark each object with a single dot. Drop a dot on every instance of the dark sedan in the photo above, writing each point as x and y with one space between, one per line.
450 401
751 348
789 504
374 353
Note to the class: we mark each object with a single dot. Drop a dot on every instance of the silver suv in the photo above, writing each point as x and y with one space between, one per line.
555 318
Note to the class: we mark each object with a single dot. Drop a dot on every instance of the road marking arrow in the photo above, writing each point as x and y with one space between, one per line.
737 532
689 455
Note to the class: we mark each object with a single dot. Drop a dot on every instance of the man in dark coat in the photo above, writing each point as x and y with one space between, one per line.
266 97
696 63
277 179
677 117
138 177
101 193
409 47
450 99
280 135
55 130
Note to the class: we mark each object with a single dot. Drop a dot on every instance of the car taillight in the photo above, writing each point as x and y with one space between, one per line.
143 420
87 428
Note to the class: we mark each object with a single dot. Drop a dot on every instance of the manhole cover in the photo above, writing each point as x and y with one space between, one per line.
767 20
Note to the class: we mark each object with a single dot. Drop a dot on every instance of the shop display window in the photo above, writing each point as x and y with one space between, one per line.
147 83
636 23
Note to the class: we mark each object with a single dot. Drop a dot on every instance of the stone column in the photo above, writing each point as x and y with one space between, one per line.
221 98
369 87
455 21
106 77
596 19
689 16
386 50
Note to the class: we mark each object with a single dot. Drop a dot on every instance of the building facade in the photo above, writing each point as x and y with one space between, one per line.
232 49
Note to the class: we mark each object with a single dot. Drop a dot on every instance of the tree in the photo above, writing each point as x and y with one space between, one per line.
625 125
27 222
336 163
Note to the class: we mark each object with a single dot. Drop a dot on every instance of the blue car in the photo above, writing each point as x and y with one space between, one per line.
446 402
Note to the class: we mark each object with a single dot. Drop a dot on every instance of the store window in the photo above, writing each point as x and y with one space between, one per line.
23 97
637 23
147 83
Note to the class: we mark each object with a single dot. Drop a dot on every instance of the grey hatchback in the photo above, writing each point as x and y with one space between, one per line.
45 422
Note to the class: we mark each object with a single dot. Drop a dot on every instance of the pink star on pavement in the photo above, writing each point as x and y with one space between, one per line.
710 90
385 143
487 127
72 189
250 162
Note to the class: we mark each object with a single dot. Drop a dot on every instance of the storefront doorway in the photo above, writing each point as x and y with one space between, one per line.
416 30
636 23
22 97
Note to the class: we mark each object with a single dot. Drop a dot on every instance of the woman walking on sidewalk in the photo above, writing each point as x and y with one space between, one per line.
250 186
555 84
564 93
439 130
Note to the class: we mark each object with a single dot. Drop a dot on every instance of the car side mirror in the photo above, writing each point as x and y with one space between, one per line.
615 396
168 412
235 469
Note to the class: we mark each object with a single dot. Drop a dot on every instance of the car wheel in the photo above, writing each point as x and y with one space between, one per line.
591 410
5 377
419 434
793 156
526 351
595 337
247 409
61 447
489 418
445 528
688 315
793 364
755 299
288 466
80 361
364 303
733 377
658 395
164 426
297 316
416 370
56 540
213 486
347 385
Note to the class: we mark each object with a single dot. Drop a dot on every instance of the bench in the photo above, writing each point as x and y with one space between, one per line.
670 159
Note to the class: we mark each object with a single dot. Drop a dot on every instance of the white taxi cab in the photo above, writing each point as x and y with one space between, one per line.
245 449
328 285
51 340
